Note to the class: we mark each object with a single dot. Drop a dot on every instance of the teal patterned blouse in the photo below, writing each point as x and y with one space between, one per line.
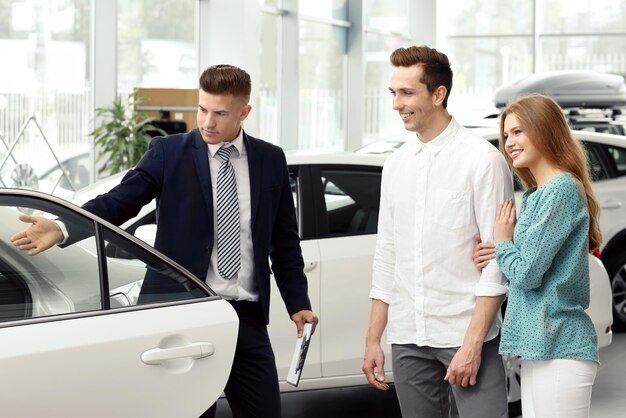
548 271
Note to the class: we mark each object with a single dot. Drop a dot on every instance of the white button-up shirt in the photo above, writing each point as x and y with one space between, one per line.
242 286
435 197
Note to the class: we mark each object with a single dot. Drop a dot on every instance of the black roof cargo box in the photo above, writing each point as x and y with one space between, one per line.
571 89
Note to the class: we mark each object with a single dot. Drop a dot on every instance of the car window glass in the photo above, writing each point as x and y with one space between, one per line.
77 169
351 200
57 281
618 156
595 166
295 190
71 278
144 277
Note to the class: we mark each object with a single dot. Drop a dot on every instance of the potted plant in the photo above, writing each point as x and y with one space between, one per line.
123 135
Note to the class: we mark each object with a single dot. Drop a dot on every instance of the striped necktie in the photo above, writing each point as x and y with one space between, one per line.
228 258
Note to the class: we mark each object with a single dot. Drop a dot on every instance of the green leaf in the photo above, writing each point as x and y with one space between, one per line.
123 135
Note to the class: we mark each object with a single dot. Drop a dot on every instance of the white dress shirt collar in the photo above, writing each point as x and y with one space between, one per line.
435 145
237 143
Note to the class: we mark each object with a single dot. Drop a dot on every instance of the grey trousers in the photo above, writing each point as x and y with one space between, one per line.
418 374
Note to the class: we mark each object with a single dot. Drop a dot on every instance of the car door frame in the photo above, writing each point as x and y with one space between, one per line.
344 365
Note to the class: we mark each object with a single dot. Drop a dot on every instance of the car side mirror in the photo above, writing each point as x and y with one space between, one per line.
147 233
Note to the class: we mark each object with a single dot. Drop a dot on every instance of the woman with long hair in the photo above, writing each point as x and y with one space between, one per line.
544 255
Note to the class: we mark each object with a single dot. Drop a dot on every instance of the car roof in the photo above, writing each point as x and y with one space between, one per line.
590 136
388 146
366 158
293 158
333 157
44 162
577 89
99 187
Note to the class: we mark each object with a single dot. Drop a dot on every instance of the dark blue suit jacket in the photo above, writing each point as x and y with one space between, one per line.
175 170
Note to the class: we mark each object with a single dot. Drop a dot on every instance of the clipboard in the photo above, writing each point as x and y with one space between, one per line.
299 355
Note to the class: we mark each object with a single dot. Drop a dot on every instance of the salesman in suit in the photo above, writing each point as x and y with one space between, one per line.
223 236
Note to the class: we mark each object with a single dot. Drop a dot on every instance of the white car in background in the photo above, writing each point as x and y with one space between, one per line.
59 174
337 197
78 339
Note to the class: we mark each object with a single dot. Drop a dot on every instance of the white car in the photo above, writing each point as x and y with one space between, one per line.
607 161
337 197
60 174
79 338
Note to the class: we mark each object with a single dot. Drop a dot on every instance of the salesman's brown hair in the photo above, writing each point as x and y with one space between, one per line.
226 79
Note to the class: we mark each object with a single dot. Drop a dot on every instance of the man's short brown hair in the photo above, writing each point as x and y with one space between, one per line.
226 79
435 65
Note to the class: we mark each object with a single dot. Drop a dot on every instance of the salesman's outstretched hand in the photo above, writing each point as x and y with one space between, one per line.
40 235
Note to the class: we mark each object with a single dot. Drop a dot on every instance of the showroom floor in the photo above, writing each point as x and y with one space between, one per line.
608 400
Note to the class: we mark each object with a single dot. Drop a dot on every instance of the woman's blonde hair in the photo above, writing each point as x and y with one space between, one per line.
545 125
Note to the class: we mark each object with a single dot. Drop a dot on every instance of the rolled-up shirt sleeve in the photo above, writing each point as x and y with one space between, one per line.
385 253
494 184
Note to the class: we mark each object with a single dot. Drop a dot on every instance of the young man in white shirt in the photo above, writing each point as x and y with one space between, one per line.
441 314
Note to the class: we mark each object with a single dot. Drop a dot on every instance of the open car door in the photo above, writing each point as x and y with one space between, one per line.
85 334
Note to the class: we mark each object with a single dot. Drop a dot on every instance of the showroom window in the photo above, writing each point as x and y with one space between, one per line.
45 95
269 86
583 16
322 68
491 44
156 44
582 34
386 28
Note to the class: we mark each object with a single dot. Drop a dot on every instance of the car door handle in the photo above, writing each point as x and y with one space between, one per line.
309 265
611 204
193 350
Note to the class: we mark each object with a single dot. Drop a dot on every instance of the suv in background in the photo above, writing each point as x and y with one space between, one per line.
609 121
592 101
